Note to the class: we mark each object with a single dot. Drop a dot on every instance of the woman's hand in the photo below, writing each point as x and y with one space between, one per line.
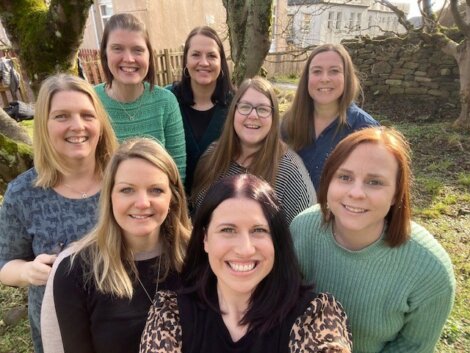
21 273
37 272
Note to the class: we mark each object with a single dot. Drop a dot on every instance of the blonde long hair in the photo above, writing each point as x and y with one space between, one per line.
109 262
297 121
47 161
265 162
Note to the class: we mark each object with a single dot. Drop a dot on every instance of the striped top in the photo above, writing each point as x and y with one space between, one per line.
293 186
397 299
155 114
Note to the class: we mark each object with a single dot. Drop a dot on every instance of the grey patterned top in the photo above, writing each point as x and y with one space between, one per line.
293 186
34 221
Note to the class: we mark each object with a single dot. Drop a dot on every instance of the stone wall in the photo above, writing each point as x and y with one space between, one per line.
405 70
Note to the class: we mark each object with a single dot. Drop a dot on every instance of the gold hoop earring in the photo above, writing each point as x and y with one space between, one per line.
186 72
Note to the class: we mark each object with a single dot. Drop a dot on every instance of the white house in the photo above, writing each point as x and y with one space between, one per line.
314 22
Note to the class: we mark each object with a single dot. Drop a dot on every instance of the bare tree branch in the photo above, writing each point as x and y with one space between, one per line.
400 14
459 21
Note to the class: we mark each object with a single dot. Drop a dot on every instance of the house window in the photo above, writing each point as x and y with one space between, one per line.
307 18
106 10
339 15
351 20
358 21
331 19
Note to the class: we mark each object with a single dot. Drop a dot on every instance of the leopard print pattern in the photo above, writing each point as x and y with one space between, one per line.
323 327
162 332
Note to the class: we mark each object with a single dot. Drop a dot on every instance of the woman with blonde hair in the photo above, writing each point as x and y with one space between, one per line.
137 106
54 203
250 143
359 243
323 111
104 287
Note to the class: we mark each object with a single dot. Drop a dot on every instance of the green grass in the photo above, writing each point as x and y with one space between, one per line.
441 199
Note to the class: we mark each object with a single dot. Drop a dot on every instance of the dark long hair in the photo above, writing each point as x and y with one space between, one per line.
276 295
223 89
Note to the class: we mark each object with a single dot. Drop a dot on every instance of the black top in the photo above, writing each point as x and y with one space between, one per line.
179 323
93 322
197 321
198 120
206 132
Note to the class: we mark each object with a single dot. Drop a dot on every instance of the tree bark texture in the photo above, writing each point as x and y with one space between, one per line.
249 28
46 38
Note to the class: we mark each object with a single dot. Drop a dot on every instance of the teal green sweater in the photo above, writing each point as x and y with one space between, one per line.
157 115
397 299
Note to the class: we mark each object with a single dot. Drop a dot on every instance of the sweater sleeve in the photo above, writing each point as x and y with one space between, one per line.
51 340
423 325
71 308
162 332
15 242
174 135
322 327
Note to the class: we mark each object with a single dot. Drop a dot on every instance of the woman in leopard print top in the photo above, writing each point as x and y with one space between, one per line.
243 290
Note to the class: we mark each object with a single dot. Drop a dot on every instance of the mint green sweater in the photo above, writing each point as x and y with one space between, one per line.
397 299
157 115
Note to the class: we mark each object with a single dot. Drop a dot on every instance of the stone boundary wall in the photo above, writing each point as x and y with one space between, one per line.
405 69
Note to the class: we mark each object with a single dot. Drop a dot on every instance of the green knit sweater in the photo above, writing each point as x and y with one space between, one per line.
397 299
155 114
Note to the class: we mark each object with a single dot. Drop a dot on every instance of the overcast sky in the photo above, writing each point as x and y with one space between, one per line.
414 11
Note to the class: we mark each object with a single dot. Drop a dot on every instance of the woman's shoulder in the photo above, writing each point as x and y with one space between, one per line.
323 324
312 214
162 93
292 161
100 88
69 264
425 249
23 184
358 118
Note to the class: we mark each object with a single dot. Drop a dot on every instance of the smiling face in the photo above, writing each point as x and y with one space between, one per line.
203 61
326 78
239 246
251 129
362 191
141 199
128 56
73 126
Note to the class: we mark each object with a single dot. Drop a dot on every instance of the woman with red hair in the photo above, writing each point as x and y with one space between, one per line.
394 279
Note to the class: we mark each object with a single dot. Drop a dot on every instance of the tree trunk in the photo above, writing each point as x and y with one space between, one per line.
463 60
46 38
15 158
249 24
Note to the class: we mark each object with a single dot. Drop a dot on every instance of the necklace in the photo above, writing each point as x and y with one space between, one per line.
131 117
139 108
83 194
158 279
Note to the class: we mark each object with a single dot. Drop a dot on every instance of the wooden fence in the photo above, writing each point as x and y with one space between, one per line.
168 65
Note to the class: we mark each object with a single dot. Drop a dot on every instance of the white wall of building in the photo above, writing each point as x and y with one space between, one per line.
321 23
